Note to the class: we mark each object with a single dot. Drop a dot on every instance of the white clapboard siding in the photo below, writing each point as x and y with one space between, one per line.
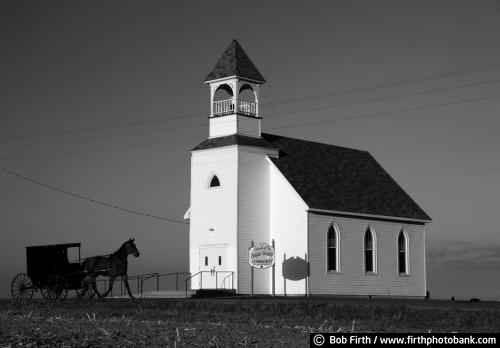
234 124
222 126
249 126
213 208
288 227
352 280
253 216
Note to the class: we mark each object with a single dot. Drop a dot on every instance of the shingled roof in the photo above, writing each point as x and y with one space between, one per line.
234 139
334 178
235 62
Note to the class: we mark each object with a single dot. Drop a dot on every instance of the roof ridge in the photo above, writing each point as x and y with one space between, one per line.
315 142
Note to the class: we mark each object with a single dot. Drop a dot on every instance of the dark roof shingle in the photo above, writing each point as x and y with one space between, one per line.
331 177
235 62
341 179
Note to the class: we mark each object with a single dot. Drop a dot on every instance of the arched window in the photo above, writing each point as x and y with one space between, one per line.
214 182
370 251
402 253
333 248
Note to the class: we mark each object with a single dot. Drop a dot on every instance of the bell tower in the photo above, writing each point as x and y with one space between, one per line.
234 95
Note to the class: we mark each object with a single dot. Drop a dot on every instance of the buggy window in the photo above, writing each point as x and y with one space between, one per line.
73 255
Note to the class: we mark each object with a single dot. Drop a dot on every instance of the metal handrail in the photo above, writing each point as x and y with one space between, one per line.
224 280
231 274
141 278
189 278
170 274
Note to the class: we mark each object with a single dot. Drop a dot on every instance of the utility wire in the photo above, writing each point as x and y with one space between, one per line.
371 115
76 195
480 83
23 177
115 125
389 84
100 149
384 98
378 114
282 101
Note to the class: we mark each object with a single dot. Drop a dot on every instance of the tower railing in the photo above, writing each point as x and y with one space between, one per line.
226 107
247 108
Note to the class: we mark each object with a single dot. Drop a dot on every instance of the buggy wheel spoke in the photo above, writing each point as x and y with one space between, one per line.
22 287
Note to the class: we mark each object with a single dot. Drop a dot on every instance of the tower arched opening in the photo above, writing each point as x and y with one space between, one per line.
223 102
247 100
223 92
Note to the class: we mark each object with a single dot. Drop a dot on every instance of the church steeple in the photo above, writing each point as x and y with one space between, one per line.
235 62
234 94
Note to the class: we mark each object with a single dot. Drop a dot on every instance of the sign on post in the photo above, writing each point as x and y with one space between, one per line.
261 256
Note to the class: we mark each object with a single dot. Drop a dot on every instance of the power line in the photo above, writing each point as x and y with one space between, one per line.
108 136
76 195
378 114
115 125
267 116
390 84
385 98
98 149
282 101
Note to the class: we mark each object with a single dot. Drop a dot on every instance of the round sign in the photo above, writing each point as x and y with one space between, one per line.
261 256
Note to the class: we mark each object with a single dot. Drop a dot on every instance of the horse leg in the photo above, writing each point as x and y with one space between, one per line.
111 281
94 285
125 278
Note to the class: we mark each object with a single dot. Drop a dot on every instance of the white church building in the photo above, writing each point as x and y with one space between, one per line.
341 225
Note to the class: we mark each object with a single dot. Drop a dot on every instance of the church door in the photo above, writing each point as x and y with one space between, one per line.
213 261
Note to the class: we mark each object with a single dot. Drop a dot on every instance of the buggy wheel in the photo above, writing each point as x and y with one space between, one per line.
45 293
86 292
57 288
22 288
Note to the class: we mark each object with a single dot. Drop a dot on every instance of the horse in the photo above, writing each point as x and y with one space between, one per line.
112 266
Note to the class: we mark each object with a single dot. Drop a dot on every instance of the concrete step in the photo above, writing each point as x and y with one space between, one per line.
205 293
160 294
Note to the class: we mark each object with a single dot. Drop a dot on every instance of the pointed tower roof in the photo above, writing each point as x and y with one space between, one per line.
235 62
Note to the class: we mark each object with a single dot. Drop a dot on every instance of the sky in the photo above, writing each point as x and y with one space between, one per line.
105 99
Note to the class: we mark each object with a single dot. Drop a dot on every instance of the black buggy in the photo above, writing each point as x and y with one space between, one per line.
50 271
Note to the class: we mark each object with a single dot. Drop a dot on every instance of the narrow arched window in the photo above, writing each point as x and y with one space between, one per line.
333 248
402 253
369 251
214 182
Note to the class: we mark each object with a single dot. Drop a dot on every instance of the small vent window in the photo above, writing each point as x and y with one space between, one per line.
214 182
206 260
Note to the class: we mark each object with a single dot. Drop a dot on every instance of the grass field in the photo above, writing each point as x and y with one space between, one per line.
228 322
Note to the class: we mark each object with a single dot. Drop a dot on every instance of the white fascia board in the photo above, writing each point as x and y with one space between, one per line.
256 149
305 206
214 148
187 215
314 210
235 77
